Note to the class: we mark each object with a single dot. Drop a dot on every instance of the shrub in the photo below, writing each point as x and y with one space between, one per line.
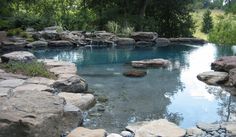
207 23
126 31
14 32
33 68
113 27
224 31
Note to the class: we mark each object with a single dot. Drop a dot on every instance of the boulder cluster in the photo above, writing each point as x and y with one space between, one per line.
223 74
56 37
41 107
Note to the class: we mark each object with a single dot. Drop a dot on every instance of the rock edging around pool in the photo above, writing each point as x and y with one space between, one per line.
223 74
30 106
51 38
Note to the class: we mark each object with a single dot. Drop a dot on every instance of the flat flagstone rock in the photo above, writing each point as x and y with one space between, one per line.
194 131
156 63
64 70
54 63
11 83
82 101
156 128
208 127
40 80
213 77
65 76
34 114
84 132
7 76
5 92
33 87
23 56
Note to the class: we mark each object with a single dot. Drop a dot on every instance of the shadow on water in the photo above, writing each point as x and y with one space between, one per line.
173 93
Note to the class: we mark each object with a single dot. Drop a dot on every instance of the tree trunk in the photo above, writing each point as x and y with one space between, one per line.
142 11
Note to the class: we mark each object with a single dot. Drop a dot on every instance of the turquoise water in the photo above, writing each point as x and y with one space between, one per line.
173 93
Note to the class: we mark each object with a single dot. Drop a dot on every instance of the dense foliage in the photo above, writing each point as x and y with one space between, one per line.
224 31
170 18
207 23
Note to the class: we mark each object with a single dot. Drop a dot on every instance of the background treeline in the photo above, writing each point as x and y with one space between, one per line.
169 18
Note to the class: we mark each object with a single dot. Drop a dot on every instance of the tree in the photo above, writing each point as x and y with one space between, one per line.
207 23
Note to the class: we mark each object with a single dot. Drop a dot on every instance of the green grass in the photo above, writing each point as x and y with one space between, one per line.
198 18
34 69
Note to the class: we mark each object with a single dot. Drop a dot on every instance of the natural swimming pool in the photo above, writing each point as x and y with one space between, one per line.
173 93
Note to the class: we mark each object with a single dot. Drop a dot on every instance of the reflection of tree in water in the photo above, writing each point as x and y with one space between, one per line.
227 103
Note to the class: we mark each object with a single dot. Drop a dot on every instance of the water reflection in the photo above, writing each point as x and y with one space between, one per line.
173 93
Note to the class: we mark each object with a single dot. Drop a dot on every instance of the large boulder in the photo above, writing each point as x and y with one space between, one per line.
35 114
125 41
12 46
187 41
80 100
74 84
61 43
144 36
37 44
224 63
156 128
156 63
84 132
162 42
213 77
22 56
48 35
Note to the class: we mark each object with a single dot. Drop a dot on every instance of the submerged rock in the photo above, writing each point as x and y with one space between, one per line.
156 128
23 56
84 132
156 63
135 73
82 101
213 77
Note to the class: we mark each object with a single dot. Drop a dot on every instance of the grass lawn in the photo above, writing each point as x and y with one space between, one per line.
197 18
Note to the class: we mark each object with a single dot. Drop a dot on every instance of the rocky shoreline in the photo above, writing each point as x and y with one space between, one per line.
36 106
52 38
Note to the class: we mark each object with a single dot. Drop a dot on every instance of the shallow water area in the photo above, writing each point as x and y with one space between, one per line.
173 93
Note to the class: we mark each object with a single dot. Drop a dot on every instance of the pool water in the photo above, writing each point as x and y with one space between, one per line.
173 93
